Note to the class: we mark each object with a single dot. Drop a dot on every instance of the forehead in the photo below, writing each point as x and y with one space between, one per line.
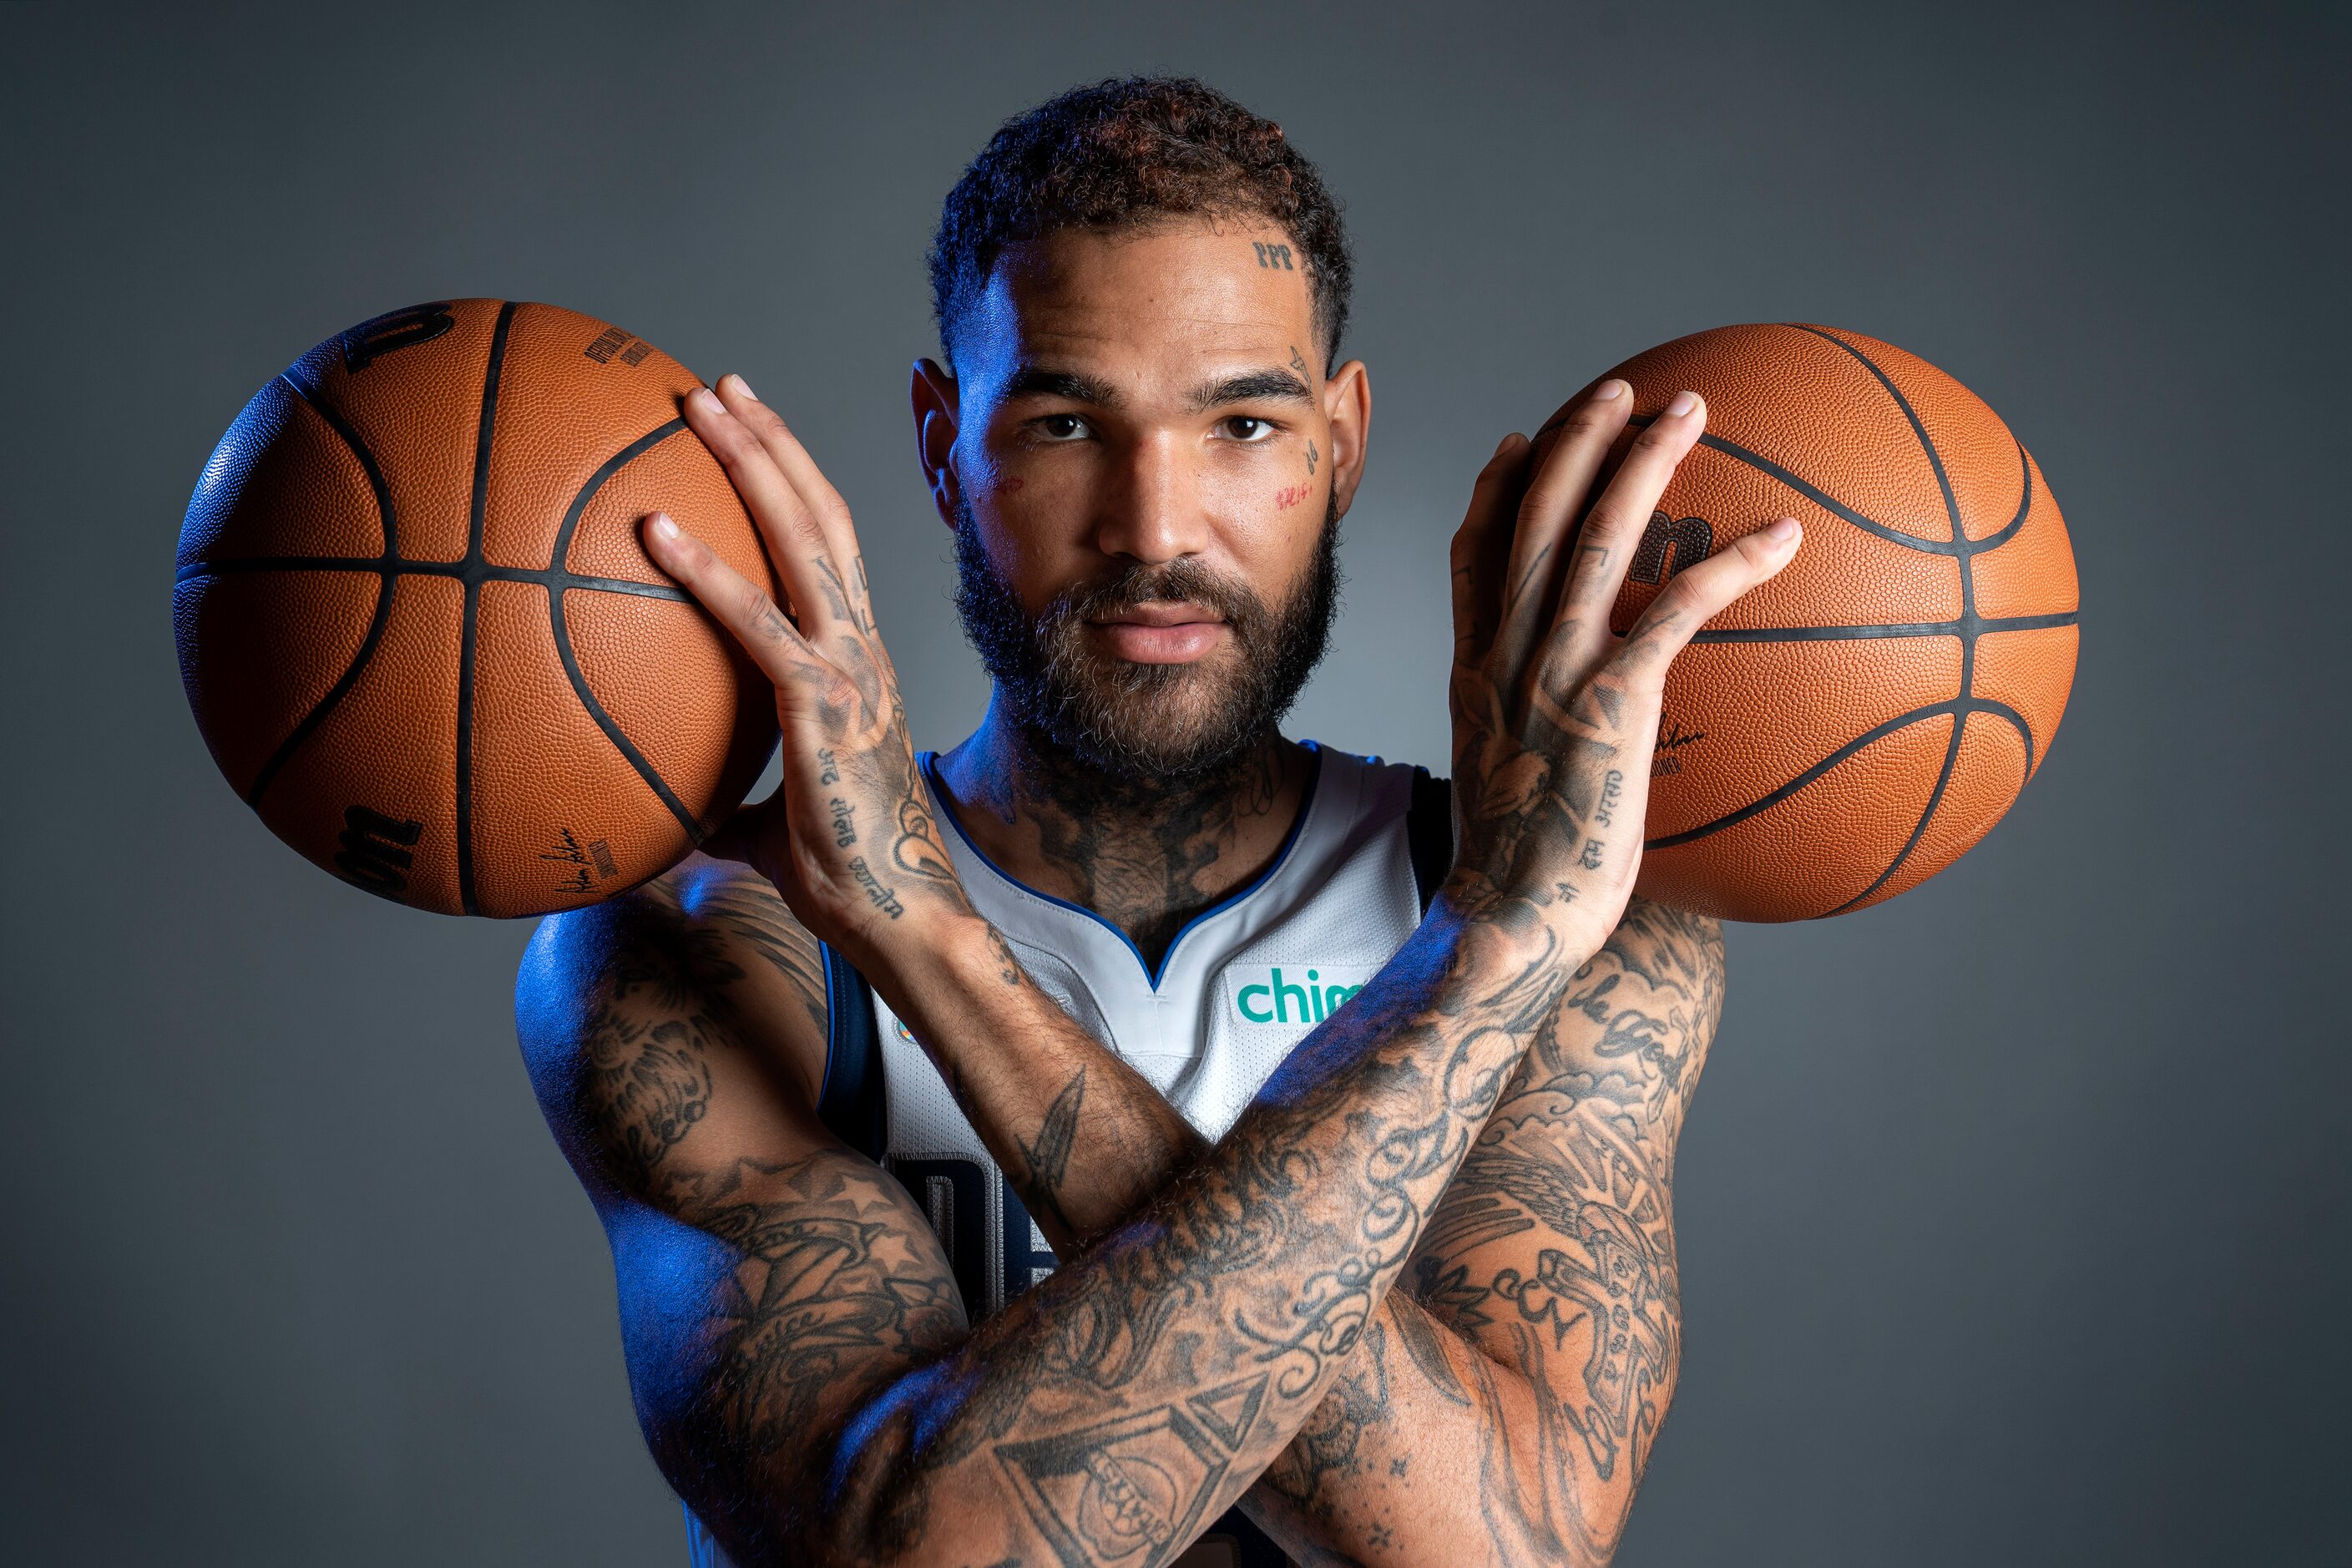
1167 301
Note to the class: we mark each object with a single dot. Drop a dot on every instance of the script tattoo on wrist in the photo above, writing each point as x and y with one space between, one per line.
881 897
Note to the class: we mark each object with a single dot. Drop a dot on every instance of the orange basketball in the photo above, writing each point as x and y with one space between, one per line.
419 631
1853 726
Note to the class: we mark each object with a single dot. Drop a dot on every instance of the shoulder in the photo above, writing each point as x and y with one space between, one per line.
703 961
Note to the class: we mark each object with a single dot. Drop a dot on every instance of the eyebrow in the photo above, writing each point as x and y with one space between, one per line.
1269 386
1036 381
1251 386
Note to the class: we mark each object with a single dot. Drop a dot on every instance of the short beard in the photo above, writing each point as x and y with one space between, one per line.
1156 724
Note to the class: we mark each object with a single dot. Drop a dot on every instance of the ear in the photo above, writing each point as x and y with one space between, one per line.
932 391
1348 408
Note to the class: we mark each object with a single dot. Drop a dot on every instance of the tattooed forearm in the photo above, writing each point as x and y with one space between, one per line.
1258 1273
1048 1158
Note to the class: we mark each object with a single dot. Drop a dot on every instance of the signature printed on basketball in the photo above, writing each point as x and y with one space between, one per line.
1672 738
588 862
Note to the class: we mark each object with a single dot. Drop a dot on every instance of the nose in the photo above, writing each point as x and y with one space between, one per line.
1153 514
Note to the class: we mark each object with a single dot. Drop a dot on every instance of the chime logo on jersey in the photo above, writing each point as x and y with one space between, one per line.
1294 997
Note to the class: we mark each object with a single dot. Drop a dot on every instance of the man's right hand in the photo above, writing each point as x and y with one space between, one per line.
1555 716
849 838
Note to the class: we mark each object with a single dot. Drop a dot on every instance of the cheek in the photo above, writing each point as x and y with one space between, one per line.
1035 537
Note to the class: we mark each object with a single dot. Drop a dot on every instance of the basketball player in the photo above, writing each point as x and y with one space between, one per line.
1029 1153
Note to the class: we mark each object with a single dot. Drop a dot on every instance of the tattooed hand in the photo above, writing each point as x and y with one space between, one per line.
848 837
1554 715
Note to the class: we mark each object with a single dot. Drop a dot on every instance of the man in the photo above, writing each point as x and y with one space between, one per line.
1028 1153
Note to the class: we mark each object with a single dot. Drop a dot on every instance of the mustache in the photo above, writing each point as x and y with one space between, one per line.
1182 580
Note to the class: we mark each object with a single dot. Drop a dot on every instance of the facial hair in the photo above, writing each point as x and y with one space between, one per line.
1160 724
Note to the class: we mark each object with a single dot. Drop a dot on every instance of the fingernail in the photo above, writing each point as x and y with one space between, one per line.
707 398
1683 404
1782 529
1610 391
664 526
742 387
1500 447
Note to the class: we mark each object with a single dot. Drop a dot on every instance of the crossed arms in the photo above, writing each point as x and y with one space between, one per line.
804 1371
803 1367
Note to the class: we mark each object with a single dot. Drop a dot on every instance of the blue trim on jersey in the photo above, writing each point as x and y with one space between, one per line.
929 762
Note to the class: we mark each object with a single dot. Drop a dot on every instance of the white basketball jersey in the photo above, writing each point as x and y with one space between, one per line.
1242 983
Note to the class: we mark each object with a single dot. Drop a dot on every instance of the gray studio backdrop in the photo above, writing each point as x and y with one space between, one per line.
2012 1211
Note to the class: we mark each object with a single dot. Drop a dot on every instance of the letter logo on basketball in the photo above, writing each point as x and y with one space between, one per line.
1688 540
376 850
372 339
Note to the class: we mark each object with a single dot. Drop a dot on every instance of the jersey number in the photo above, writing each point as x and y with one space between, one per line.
992 1263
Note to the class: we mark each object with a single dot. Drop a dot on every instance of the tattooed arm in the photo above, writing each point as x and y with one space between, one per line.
1110 1412
769 1280
1543 1332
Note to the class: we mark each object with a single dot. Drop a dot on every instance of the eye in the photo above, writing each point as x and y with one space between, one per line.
1243 428
1062 428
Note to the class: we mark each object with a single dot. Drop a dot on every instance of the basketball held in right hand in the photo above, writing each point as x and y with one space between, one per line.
1555 716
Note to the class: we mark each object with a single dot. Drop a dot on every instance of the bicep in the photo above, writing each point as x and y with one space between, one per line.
770 1279
755 1328
1553 1250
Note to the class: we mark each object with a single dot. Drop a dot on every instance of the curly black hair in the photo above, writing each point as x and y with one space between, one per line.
1124 152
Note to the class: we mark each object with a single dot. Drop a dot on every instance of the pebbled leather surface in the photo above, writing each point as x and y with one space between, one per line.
1811 422
333 686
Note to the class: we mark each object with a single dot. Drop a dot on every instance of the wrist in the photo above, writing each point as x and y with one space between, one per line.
950 965
1500 933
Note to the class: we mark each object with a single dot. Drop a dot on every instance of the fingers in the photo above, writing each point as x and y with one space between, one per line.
1571 448
1700 593
808 481
796 535
1612 532
740 605
1482 550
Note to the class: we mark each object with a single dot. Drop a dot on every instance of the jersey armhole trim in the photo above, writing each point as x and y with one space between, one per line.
1429 833
850 1104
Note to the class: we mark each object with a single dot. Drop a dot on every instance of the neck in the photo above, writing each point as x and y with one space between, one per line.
1147 854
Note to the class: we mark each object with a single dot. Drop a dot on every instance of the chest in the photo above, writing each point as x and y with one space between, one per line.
1240 987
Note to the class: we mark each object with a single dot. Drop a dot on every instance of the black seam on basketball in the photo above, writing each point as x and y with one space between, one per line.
1934 458
2008 530
2024 729
612 465
309 724
545 578
1972 628
1766 802
556 621
475 517
1815 493
1911 629
1927 815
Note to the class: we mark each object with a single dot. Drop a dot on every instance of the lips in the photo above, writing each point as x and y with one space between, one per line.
1159 631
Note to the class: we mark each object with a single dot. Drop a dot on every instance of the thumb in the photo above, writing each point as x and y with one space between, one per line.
734 838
